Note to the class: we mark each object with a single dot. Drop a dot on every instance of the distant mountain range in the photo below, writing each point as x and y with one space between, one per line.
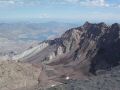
33 31
18 36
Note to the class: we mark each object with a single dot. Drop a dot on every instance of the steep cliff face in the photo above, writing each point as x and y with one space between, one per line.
91 47
97 46
108 52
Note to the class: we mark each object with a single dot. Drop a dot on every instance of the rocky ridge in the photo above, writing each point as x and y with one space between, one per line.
78 54
91 44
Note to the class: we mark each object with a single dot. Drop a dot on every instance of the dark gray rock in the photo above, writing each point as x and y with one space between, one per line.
92 46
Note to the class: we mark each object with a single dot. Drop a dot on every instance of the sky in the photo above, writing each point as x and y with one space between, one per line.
60 10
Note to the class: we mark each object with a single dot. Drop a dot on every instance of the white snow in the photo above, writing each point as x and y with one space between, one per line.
52 85
67 78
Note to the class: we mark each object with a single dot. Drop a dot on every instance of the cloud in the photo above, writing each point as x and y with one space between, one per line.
115 5
90 3
119 6
11 2
97 3
72 1
94 3
98 16
7 2
44 15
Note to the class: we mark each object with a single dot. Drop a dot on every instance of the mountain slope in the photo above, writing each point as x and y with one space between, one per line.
78 54
89 47
15 75
18 36
109 81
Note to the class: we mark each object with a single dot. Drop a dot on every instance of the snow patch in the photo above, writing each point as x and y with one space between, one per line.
52 85
67 78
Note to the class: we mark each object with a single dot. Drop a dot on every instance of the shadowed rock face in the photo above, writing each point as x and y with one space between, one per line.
95 44
91 47
108 50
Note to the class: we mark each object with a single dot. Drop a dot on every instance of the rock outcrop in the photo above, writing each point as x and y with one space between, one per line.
91 47
79 53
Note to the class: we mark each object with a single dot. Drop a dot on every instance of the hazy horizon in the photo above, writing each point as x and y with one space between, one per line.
60 10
